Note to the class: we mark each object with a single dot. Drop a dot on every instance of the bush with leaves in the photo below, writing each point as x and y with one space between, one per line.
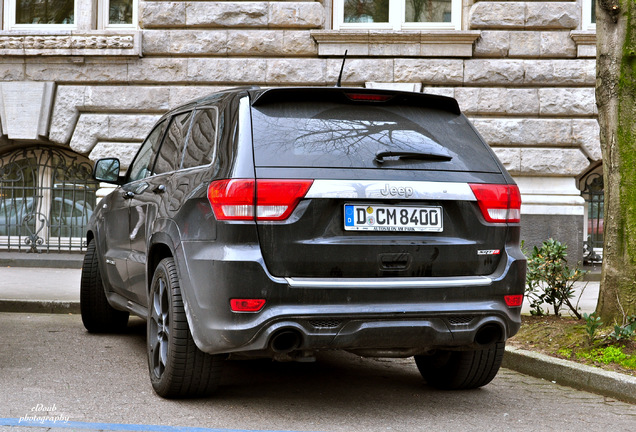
592 324
550 280
625 331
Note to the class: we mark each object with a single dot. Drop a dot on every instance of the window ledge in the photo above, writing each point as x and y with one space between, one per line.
451 43
69 42
585 43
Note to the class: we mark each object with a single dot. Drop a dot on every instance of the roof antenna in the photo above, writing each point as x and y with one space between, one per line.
341 69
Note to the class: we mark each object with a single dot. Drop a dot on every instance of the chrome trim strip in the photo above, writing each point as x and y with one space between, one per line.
375 189
450 282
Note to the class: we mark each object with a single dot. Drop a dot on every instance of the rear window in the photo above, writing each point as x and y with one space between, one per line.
327 134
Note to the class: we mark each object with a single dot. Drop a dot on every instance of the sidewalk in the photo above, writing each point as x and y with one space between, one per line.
56 290
44 290
585 297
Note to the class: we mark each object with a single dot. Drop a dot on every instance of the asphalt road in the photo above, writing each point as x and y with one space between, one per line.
50 367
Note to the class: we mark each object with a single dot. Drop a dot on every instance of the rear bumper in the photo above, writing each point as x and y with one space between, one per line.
408 315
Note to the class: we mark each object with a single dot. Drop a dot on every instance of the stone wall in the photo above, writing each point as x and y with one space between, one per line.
524 71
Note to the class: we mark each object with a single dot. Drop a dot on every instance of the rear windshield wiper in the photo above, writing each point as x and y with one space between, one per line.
379 156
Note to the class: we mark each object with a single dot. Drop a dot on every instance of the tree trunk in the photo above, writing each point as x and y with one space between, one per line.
616 100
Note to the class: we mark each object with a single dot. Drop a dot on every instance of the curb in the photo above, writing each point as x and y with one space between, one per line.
571 374
50 260
40 306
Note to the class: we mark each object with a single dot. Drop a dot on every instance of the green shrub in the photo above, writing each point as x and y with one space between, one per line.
625 331
550 280
610 354
592 323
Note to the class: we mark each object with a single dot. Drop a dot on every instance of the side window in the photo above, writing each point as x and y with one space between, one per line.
141 166
170 154
201 147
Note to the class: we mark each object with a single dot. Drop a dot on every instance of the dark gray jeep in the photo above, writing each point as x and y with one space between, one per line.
286 221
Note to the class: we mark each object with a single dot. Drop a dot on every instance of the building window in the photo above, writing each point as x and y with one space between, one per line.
118 13
65 14
397 14
47 197
49 13
589 15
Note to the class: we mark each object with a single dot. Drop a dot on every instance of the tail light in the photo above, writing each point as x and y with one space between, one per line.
250 199
368 97
498 203
514 300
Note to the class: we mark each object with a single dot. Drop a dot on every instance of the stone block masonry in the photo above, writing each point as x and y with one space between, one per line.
525 15
223 14
523 71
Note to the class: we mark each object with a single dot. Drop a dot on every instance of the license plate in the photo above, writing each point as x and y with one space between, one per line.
365 217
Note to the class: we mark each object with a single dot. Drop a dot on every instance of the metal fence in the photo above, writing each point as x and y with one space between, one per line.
46 198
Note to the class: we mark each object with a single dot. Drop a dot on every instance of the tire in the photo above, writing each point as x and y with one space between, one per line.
98 315
461 370
178 369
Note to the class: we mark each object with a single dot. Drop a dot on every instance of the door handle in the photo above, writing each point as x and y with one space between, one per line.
159 189
129 195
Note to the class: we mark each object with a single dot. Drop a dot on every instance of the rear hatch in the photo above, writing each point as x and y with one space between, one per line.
379 184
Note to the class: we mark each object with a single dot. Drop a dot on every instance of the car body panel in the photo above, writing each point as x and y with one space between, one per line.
227 273
114 214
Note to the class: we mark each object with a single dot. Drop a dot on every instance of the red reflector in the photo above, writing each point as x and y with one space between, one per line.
249 199
368 97
514 300
498 203
246 305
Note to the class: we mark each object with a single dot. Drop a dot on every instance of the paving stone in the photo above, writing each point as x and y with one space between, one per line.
562 15
492 44
92 128
428 71
226 14
492 14
162 14
290 14
567 102
560 72
497 101
495 71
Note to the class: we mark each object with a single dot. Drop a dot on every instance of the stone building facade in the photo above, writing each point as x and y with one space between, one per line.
523 71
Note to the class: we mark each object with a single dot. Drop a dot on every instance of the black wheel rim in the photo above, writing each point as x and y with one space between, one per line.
159 332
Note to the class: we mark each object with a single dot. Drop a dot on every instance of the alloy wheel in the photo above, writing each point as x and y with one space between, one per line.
159 333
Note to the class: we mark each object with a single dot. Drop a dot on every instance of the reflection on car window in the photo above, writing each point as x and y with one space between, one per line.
140 167
169 157
201 146
349 136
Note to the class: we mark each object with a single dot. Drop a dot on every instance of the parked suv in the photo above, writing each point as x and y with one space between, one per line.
286 221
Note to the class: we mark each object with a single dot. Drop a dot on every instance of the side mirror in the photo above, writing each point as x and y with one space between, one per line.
107 170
